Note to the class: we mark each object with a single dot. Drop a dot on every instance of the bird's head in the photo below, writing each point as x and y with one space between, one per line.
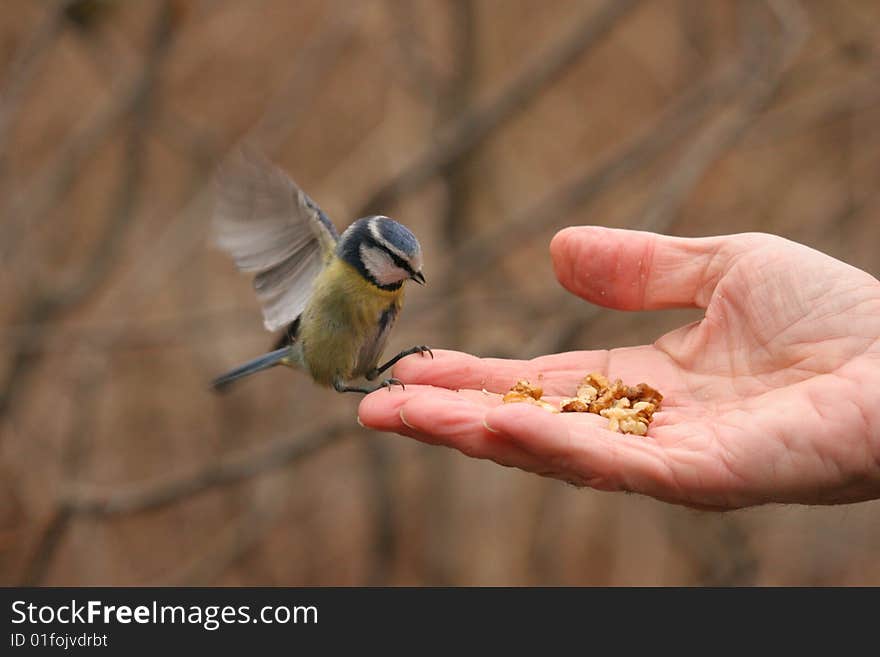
385 252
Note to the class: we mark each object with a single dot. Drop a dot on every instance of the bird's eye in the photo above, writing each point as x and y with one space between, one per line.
381 267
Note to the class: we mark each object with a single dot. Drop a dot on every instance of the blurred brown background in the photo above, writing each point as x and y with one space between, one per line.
485 126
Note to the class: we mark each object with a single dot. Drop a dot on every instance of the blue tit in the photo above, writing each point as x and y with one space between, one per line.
337 295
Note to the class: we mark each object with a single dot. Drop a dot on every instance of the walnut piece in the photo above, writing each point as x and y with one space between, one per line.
627 418
524 391
533 391
644 392
629 409
574 405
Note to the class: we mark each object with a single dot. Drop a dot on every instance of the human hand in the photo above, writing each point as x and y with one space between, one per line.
771 397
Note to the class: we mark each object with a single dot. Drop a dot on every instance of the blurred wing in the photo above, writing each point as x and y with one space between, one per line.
271 227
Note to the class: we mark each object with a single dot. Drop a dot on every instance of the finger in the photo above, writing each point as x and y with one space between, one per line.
441 417
455 370
636 270
571 442
456 421
381 409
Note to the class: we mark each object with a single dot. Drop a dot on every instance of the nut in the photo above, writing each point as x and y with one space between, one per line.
629 409
644 392
574 405
523 391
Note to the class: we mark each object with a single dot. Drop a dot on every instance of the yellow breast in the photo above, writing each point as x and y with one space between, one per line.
342 314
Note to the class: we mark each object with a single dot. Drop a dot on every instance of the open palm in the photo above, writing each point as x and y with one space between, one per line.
771 397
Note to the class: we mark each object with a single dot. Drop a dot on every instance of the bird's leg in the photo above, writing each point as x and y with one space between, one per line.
421 349
341 386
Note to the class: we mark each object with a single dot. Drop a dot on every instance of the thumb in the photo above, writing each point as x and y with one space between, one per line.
636 270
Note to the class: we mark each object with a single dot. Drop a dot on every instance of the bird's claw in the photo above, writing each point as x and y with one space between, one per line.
423 349
387 383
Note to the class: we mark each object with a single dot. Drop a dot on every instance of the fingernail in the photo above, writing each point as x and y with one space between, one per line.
360 423
403 419
490 429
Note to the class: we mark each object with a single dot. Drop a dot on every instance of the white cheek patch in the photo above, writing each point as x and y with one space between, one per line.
381 267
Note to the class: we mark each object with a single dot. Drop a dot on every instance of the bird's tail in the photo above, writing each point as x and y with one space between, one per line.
258 364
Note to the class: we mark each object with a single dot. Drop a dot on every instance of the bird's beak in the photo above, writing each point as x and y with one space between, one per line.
419 278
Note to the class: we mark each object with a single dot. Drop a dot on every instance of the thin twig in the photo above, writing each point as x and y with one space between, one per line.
483 251
231 544
473 127
231 469
456 223
39 198
37 201
380 464
47 308
111 58
86 395
186 231
24 68
700 153
49 305
806 112
419 72
769 57
180 329
49 540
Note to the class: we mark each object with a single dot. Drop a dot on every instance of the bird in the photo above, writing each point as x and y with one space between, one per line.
336 296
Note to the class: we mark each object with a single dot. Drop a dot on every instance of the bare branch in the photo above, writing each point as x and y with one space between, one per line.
231 544
474 126
824 105
230 470
49 540
702 151
419 73
36 202
24 68
52 535
39 198
771 58
118 334
111 58
456 224
482 252
312 65
49 305
44 309
186 232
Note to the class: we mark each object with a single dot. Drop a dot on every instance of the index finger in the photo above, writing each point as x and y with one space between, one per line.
455 370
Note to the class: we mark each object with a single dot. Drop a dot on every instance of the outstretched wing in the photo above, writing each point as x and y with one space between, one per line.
271 227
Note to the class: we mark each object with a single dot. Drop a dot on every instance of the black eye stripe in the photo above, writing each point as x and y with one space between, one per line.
396 259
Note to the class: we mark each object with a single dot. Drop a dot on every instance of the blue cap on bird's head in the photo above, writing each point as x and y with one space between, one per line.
384 251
